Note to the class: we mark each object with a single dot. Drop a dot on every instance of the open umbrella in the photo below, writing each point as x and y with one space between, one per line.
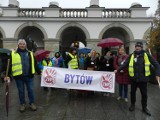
40 54
4 50
110 42
84 50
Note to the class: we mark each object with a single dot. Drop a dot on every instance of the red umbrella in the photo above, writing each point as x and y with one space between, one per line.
7 88
40 54
7 97
110 42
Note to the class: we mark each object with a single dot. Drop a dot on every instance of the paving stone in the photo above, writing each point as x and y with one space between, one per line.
60 104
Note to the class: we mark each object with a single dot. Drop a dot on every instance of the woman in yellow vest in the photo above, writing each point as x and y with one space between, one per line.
23 67
46 62
139 70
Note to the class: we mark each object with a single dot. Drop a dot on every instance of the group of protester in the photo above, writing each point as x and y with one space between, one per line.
130 69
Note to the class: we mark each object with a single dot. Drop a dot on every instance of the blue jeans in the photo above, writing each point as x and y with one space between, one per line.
123 87
21 89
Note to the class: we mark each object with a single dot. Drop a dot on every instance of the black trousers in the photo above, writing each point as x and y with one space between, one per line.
143 89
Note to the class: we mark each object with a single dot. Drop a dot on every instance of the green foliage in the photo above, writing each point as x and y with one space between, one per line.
154 35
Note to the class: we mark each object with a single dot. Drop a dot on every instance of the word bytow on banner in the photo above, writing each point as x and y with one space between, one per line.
78 79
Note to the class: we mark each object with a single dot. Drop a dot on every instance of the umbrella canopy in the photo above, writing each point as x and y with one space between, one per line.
40 54
4 50
84 50
110 42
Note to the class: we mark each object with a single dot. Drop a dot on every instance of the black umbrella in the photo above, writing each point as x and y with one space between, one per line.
4 50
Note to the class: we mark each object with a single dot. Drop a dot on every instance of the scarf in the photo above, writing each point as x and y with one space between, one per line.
107 57
120 58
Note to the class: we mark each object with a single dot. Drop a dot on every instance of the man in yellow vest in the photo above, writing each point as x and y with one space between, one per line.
71 59
23 67
71 62
139 71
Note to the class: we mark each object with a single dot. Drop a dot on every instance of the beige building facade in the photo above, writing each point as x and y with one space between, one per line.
55 28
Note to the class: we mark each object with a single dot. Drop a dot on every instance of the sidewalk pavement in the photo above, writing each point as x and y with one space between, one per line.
59 104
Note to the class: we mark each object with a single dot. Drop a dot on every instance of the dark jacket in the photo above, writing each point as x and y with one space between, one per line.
139 67
30 71
92 63
106 64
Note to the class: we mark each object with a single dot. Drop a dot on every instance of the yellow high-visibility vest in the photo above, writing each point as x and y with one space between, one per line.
44 63
17 63
74 62
147 65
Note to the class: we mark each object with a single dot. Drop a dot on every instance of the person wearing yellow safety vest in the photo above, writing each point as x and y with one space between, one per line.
138 64
72 59
71 62
22 67
46 62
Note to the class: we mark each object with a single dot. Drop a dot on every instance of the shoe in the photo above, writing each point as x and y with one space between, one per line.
146 111
132 107
119 98
33 107
126 99
22 108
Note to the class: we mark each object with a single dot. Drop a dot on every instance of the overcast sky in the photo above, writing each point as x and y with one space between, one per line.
85 3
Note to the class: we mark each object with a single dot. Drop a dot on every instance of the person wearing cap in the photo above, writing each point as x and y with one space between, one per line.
71 62
72 59
138 64
22 67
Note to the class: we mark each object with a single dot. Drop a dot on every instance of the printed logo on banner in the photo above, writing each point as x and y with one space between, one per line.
107 81
50 76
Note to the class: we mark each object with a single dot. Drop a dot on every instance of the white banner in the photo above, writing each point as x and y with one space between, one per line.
78 79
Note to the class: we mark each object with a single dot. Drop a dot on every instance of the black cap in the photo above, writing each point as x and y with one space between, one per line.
139 44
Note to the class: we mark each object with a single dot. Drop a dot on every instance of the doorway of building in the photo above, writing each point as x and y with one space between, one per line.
1 44
69 36
116 32
33 36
